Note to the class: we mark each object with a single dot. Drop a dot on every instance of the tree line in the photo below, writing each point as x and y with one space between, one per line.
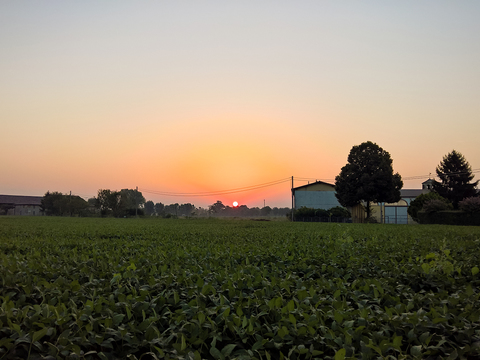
130 203
367 178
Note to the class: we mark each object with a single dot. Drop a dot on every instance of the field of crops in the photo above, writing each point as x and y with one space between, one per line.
222 289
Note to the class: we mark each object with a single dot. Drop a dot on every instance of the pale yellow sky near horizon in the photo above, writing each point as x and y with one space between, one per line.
195 97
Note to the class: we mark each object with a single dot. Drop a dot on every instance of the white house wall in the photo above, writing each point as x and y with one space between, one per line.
316 199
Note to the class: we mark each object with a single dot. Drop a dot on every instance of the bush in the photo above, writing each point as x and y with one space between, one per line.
470 205
322 213
435 205
417 204
339 211
335 214
452 217
304 212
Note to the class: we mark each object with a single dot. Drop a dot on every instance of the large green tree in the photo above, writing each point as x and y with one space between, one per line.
367 177
455 176
126 202
58 204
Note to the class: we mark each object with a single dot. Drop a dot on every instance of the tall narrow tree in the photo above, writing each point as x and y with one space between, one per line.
455 176
368 176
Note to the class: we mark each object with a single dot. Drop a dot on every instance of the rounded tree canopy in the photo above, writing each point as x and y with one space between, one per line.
368 176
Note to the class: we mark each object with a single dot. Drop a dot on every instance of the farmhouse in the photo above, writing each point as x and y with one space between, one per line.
321 195
20 205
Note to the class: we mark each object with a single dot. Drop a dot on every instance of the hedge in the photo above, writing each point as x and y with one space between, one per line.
449 217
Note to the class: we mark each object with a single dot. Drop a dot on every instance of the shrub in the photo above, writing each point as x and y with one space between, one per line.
322 213
304 212
417 204
470 204
339 211
435 205
452 217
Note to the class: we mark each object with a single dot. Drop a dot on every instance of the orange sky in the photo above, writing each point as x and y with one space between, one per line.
205 97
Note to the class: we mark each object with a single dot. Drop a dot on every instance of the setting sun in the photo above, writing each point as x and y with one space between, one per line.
235 204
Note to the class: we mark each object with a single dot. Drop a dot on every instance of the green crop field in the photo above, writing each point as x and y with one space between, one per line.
76 288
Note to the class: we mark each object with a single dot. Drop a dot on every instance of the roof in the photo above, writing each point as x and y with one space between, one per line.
314 183
21 200
411 193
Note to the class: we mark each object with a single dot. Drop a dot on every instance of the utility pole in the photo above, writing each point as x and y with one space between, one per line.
292 198
263 202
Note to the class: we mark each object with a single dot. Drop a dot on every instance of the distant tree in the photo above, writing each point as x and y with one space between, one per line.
417 204
130 202
75 205
201 212
108 202
171 209
186 209
52 203
216 208
242 210
126 202
455 176
266 211
149 208
159 207
255 211
280 211
368 176
58 204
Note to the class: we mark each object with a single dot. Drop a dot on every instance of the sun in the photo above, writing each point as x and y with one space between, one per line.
235 204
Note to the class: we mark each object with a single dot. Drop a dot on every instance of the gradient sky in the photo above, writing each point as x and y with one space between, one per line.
197 96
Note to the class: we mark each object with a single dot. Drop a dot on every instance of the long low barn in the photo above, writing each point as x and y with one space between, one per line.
21 205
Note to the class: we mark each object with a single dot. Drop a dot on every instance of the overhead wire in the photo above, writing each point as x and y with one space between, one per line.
273 183
220 192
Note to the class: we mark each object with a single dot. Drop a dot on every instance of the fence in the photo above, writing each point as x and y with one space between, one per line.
332 219
396 219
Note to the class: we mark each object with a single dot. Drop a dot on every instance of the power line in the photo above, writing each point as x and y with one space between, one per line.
220 192
273 183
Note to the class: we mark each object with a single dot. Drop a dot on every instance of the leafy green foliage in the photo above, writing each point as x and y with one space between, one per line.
217 289
449 217
335 214
368 176
470 205
417 204
126 202
149 208
339 211
436 205
455 176
58 204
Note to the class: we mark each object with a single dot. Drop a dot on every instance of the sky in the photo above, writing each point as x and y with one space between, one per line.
206 96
